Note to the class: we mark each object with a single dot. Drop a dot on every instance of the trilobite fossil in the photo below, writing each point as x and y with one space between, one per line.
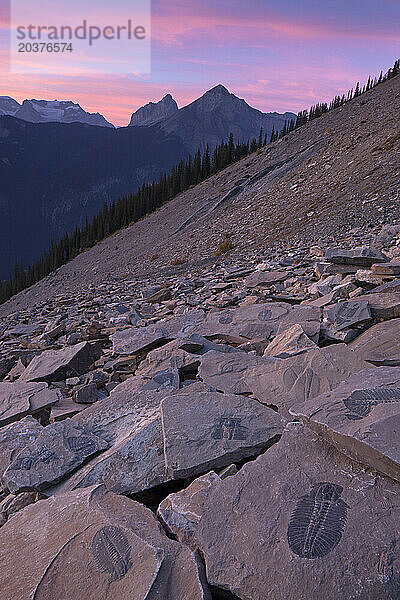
318 521
112 551
81 444
229 428
264 315
361 402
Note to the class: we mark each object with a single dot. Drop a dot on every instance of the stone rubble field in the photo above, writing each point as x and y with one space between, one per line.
230 431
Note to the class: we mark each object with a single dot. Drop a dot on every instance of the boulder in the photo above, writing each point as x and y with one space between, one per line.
302 521
284 382
96 545
20 399
180 513
225 372
289 342
379 345
361 417
57 450
54 365
204 431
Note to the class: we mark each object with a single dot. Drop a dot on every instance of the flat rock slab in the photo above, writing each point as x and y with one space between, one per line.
58 449
260 321
130 421
24 330
363 256
141 339
390 268
265 278
55 365
285 382
291 341
134 463
170 356
383 306
225 372
181 512
20 399
302 521
95 545
204 431
14 438
379 345
361 417
125 409
348 314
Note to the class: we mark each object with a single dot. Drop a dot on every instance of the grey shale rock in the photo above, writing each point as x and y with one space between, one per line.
141 339
180 513
20 399
285 382
302 521
385 305
130 421
265 278
362 256
225 372
348 314
380 344
170 356
361 417
291 341
54 365
57 450
204 431
15 437
96 545
260 321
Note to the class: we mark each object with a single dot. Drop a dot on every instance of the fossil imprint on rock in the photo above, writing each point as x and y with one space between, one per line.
112 551
318 521
361 402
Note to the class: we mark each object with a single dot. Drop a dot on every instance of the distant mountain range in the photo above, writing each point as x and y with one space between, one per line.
46 111
57 168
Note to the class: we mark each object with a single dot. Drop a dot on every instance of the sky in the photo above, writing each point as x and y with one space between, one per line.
279 56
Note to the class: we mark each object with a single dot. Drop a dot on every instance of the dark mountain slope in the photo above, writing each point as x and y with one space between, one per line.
54 175
336 173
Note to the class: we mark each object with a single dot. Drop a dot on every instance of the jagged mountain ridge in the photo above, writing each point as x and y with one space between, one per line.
210 119
215 115
154 112
336 173
50 111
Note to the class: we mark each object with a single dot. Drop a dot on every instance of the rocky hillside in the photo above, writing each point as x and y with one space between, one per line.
329 180
223 427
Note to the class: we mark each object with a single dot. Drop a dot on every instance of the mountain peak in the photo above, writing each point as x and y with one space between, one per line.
154 112
219 90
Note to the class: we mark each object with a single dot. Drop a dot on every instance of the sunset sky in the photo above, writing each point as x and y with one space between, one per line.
279 56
